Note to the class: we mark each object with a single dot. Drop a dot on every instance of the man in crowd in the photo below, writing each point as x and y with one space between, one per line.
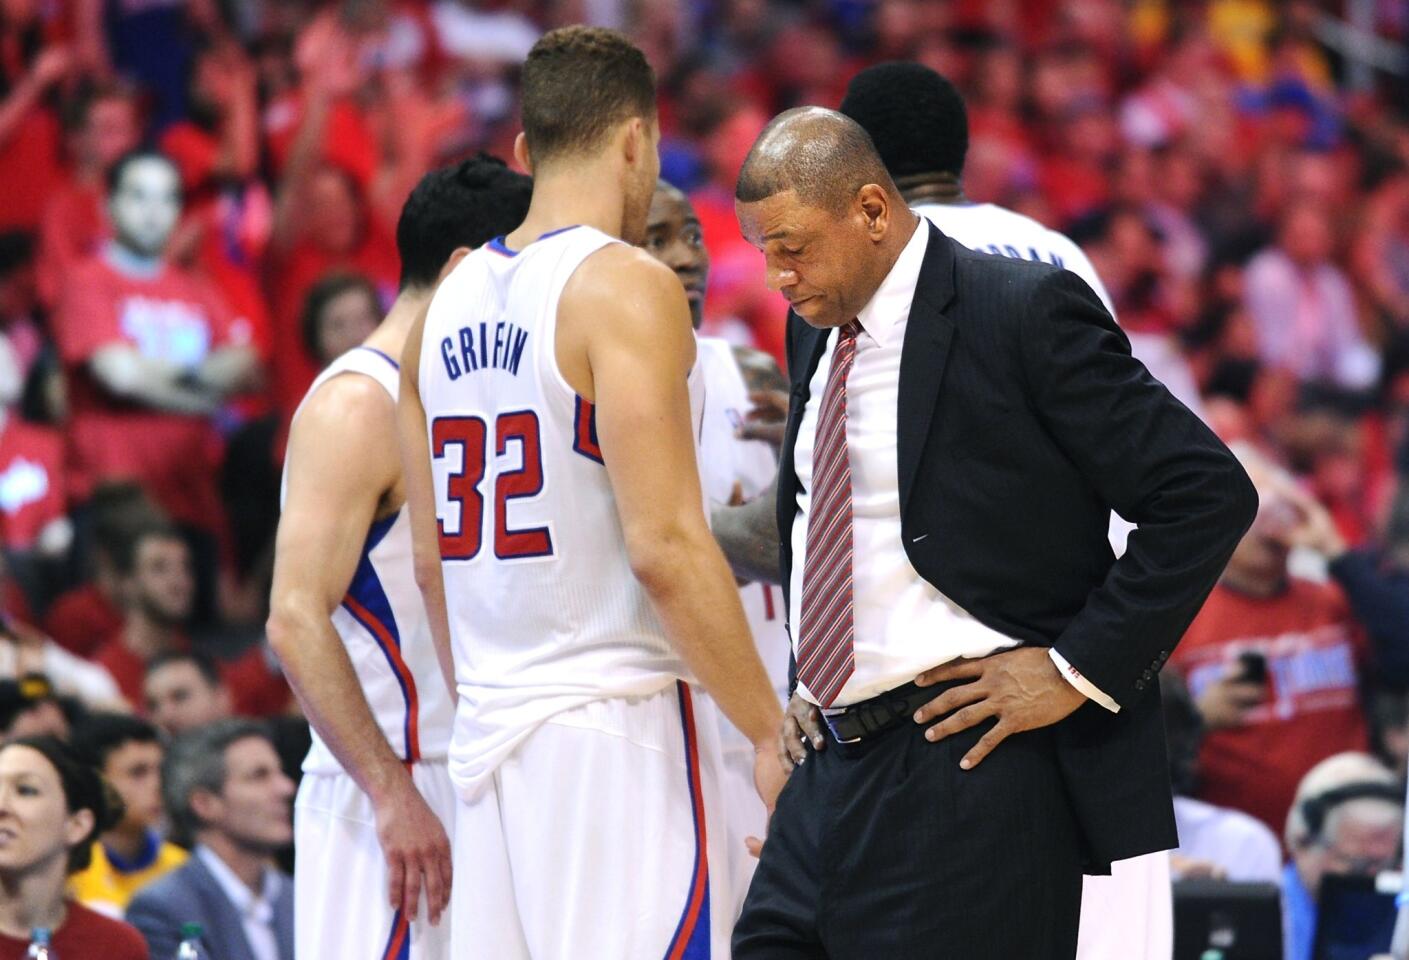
223 791
1347 819
152 351
157 595
184 690
347 620
1274 661
128 753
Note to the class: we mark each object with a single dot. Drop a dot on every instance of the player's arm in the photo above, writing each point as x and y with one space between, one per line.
640 349
420 499
748 535
334 487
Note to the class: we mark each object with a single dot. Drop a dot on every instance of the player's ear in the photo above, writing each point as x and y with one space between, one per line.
521 153
636 141
456 255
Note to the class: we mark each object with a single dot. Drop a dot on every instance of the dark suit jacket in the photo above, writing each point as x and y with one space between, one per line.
191 894
1022 421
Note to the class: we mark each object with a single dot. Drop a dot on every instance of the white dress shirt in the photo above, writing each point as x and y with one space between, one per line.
256 911
903 625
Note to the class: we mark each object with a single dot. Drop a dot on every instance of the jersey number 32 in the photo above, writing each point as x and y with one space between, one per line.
471 434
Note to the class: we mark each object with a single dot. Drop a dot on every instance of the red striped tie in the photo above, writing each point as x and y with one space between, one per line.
825 658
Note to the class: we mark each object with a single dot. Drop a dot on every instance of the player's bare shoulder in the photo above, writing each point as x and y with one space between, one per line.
620 274
349 419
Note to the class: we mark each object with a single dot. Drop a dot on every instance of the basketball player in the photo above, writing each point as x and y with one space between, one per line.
550 406
375 804
733 470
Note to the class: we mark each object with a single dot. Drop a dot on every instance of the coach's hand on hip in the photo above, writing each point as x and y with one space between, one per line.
1021 687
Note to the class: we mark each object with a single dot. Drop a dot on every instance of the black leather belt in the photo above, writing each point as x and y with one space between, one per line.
881 713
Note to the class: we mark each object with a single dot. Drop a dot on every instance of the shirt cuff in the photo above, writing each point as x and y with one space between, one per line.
1073 676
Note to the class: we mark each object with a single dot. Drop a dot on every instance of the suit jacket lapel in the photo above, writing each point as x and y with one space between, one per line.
928 333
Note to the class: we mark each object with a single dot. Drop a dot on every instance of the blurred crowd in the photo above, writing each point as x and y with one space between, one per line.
198 202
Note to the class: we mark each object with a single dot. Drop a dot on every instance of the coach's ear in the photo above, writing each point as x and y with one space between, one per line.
521 154
451 262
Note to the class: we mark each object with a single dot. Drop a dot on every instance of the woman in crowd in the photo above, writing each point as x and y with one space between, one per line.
51 809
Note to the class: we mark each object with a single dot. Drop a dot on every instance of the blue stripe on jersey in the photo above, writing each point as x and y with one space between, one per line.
497 244
371 597
387 358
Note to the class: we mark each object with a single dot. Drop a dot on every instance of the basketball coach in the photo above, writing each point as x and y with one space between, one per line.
961 426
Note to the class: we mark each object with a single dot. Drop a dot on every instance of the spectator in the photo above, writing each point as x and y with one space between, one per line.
131 854
26 652
224 790
152 352
157 593
85 617
184 691
29 129
1347 820
1213 841
1303 307
1274 663
52 806
29 707
340 311
324 219
101 126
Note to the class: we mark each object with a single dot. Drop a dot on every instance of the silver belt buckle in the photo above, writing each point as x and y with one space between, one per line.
827 716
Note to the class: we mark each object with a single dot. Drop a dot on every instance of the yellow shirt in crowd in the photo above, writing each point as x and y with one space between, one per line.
109 883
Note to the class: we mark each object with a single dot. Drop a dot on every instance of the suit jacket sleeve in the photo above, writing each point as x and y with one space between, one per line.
156 920
1154 462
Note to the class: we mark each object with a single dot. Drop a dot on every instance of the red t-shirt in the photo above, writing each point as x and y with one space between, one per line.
294 275
175 317
74 227
255 690
31 170
85 933
82 619
1314 655
31 481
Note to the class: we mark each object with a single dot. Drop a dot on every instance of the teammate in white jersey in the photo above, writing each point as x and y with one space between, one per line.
563 550
733 470
347 620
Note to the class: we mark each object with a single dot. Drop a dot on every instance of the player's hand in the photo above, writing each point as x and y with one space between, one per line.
802 723
1226 702
1021 687
768 419
769 775
417 852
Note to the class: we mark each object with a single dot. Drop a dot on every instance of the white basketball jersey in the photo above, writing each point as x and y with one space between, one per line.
727 463
382 620
545 613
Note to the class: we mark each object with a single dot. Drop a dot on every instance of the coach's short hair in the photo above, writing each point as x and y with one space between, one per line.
579 82
914 115
137 155
822 155
464 205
